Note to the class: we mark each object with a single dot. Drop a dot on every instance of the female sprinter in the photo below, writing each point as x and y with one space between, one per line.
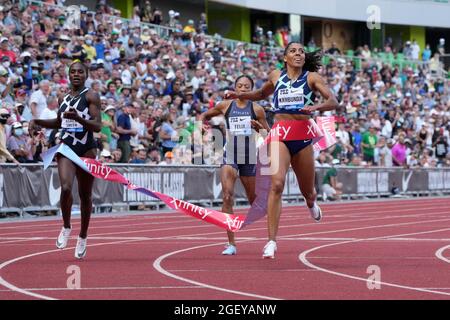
294 91
78 117
239 158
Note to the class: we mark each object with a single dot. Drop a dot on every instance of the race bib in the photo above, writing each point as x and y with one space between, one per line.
241 126
291 99
71 125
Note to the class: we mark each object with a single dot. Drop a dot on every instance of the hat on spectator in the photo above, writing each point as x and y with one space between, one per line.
116 61
18 104
21 92
3 72
166 57
168 154
34 65
105 153
335 161
100 61
25 54
140 147
3 39
17 125
132 144
64 37
4 111
110 107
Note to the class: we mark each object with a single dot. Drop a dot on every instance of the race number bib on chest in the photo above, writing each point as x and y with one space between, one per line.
241 126
71 125
291 98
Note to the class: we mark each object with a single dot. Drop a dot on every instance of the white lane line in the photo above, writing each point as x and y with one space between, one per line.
287 211
305 261
159 268
108 288
439 254
12 287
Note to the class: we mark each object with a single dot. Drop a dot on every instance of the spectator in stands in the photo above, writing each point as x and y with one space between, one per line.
168 158
331 188
202 25
125 132
415 50
312 44
441 148
334 49
399 151
5 155
146 12
167 134
426 54
141 155
368 143
441 46
190 27
384 153
18 144
157 16
38 100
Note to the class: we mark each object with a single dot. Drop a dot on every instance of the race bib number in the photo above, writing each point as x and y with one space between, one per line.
291 99
241 126
71 125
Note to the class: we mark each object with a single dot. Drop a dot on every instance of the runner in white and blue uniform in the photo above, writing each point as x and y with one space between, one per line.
242 118
78 117
293 90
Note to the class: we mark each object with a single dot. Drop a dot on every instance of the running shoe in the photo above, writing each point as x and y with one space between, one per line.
269 250
230 250
63 238
316 212
80 250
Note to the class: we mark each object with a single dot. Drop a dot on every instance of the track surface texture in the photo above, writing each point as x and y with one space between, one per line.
391 249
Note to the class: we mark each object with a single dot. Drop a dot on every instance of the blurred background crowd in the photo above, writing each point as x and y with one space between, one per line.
153 87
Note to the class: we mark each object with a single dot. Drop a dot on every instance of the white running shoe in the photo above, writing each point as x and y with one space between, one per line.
316 212
230 250
63 238
269 250
80 250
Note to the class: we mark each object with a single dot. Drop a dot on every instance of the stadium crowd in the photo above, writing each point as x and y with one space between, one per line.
154 88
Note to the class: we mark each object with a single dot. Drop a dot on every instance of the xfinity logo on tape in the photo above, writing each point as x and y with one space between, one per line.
98 169
280 131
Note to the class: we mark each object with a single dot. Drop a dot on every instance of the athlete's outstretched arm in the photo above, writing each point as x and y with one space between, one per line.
318 84
266 90
218 110
94 110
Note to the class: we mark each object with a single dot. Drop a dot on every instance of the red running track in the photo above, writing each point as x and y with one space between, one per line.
172 256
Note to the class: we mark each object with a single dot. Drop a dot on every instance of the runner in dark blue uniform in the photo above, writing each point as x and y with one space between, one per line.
239 158
78 117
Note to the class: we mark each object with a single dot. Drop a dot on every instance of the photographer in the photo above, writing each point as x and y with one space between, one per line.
38 145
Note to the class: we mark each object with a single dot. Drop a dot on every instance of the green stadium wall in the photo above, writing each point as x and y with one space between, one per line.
229 21
125 6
